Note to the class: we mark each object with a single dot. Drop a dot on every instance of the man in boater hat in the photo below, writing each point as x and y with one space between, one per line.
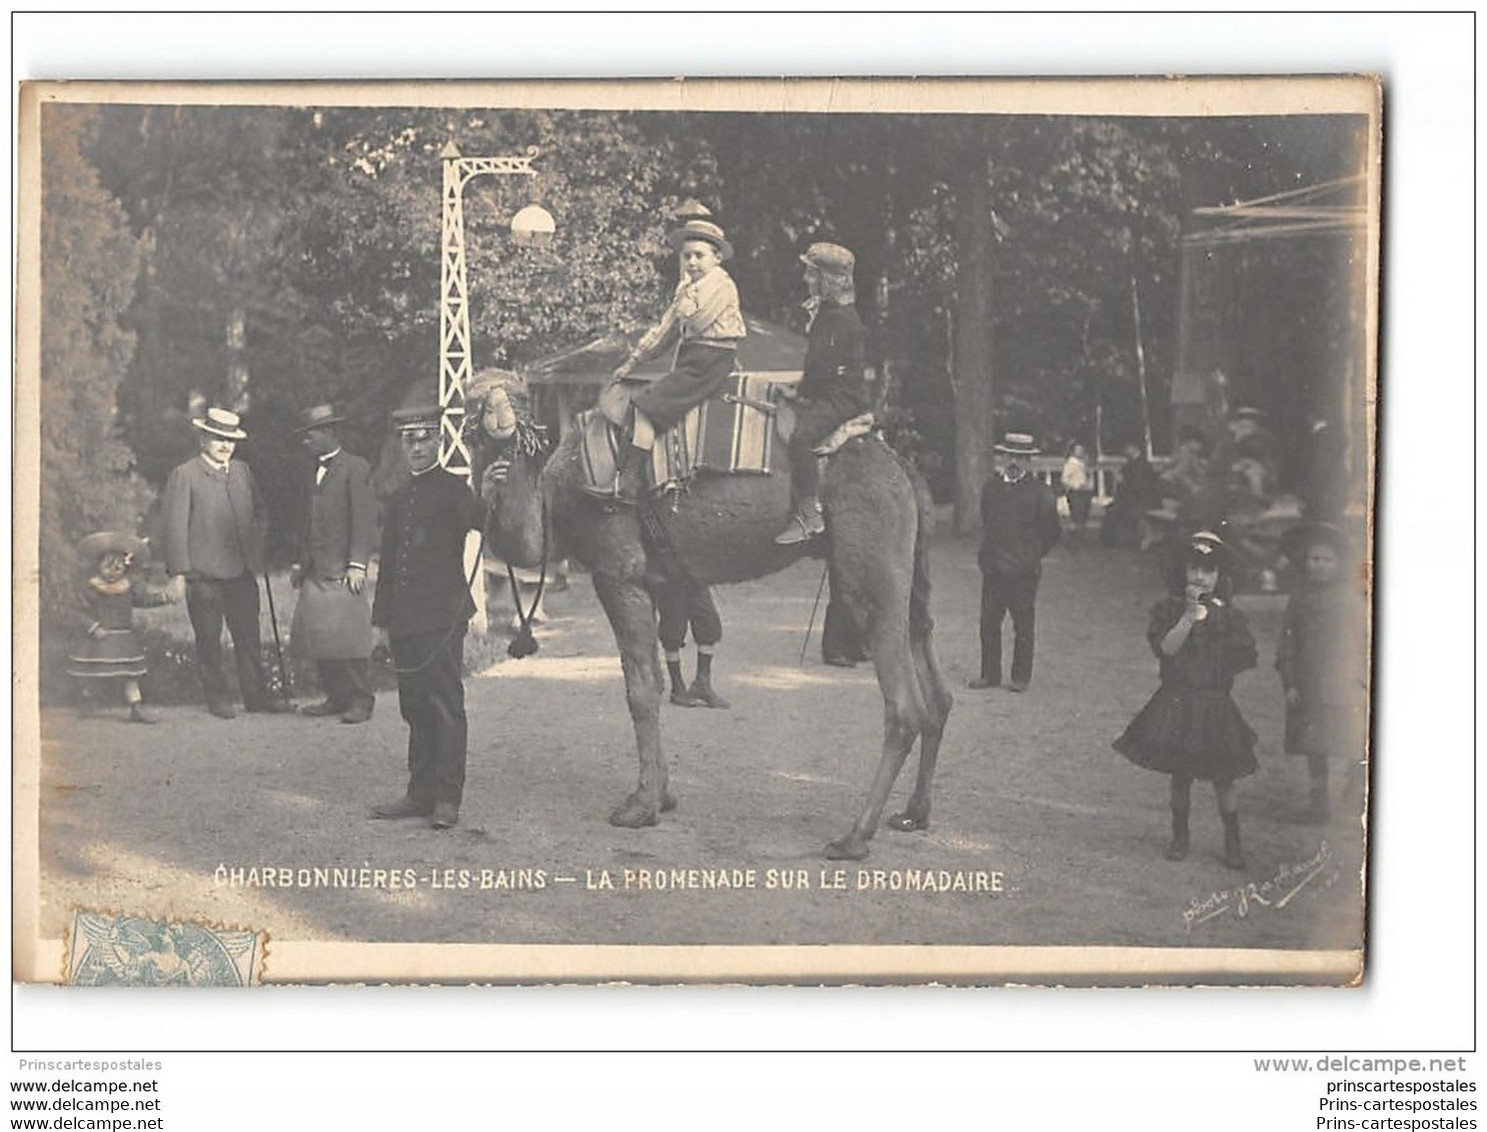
423 603
214 527
333 621
1019 525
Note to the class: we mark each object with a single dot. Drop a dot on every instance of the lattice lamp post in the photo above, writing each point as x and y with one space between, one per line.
531 227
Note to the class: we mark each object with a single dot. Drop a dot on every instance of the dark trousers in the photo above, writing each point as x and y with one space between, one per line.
813 424
209 603
1079 502
1002 594
347 682
683 604
431 694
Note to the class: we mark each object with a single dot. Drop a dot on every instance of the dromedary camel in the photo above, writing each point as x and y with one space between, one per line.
722 530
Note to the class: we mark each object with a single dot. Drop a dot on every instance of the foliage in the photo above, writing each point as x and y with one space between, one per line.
88 265
292 255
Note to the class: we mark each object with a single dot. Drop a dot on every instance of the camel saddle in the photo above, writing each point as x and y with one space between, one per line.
737 431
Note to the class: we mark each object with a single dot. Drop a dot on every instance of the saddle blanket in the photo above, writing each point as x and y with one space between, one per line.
731 433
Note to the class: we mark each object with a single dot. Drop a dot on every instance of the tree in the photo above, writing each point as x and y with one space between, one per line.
89 261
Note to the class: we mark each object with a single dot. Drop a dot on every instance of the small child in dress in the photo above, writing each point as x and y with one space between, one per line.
109 650
1322 659
1191 728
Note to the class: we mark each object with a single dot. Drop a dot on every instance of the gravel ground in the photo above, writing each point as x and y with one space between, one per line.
1041 834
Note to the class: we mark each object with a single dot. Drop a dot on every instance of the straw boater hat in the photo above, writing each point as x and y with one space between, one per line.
99 543
1296 541
1016 444
220 422
416 418
699 229
1248 413
830 258
317 416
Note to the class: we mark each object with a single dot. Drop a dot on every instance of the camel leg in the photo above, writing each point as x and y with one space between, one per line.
903 718
633 619
937 697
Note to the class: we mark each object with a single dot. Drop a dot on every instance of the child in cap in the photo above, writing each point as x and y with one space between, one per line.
109 650
1191 728
705 319
1322 658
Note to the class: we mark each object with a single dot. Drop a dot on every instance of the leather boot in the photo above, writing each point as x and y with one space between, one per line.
804 525
1233 856
702 695
1177 848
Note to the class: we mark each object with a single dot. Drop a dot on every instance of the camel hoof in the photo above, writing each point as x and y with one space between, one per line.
668 801
634 815
849 848
908 822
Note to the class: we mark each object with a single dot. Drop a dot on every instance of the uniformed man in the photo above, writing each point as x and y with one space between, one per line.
833 389
424 606
333 621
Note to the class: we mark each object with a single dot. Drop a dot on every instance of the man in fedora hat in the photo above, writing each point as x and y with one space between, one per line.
705 319
1019 525
833 388
214 526
333 620
423 603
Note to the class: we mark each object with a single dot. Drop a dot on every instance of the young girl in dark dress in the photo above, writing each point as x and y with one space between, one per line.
1322 658
1191 728
109 651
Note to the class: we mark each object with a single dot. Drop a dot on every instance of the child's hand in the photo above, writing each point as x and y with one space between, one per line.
1293 696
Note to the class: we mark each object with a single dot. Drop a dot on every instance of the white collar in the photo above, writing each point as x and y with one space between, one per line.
223 468
329 456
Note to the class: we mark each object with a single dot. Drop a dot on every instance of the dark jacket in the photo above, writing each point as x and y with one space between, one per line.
214 522
340 519
1019 525
835 362
421 583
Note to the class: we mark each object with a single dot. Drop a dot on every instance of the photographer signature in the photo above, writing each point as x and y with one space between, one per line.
1275 892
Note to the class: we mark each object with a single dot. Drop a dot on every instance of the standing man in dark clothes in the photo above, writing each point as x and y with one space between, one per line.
423 603
214 527
1019 525
834 387
333 622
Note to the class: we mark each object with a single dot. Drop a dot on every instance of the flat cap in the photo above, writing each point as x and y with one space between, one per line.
829 257
416 418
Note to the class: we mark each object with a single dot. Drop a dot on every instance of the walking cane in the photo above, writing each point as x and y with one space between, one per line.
811 624
273 619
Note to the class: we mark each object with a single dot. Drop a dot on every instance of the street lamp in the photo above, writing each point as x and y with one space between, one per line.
531 227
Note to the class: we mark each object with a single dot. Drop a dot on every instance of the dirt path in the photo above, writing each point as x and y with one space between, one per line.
1031 803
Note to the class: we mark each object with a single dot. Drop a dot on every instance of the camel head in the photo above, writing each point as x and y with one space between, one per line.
508 450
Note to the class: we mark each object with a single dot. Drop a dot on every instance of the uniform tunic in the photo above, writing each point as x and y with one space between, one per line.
1192 726
423 600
